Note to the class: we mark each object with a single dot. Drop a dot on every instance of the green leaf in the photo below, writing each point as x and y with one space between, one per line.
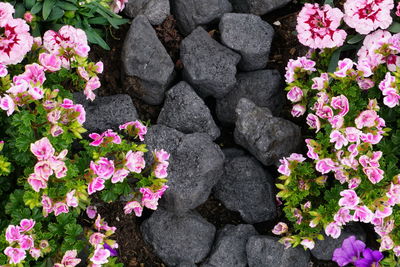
334 60
67 6
29 3
355 39
47 7
56 13
329 2
395 27
19 10
95 38
98 21
36 8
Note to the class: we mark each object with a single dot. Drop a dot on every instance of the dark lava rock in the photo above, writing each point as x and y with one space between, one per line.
185 111
266 137
230 246
265 251
178 238
248 35
257 7
247 188
156 11
192 13
263 87
147 66
196 165
106 112
207 65
324 249
186 264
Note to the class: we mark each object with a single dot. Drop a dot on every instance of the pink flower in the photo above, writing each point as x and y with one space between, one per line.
284 167
365 84
59 208
100 255
16 255
367 118
363 214
135 161
99 67
26 225
28 17
394 194
296 157
104 168
307 243
37 182
396 249
7 104
150 199
160 170
298 110
386 228
386 243
140 130
375 175
280 228
342 103
43 170
344 66
34 74
56 130
96 239
324 112
161 155
112 136
97 139
13 233
82 113
383 212
36 92
354 182
91 212
119 176
71 200
320 82
313 121
336 121
343 216
70 259
15 40
318 27
3 70
325 165
50 62
337 138
26 242
6 13
133 206
97 184
301 64
368 15
47 205
91 85
42 149
118 5
333 230
353 134
349 199
35 253
295 94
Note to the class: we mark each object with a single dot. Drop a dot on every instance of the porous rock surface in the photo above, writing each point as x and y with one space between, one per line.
257 7
155 11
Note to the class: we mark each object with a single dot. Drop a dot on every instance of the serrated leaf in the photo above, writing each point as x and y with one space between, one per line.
47 8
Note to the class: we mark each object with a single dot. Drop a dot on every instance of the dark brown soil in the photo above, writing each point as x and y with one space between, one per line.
133 251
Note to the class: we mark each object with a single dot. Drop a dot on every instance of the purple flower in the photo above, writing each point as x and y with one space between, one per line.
371 258
350 251
113 252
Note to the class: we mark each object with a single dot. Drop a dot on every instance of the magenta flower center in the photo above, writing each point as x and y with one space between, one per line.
8 39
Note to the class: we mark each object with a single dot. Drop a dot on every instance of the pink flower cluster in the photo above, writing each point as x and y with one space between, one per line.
366 16
135 128
148 200
295 68
47 165
15 40
118 5
69 259
390 91
21 240
105 138
70 201
161 163
317 27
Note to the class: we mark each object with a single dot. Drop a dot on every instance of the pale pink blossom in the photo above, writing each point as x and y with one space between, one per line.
386 243
393 194
119 176
26 225
325 165
317 27
150 199
295 94
365 83
307 243
336 121
160 170
344 66
42 149
324 112
363 214
311 152
71 200
70 258
135 161
280 228
301 64
284 167
3 70
367 118
100 255
15 255
97 184
90 86
366 16
349 199
47 205
60 207
96 239
6 13
313 121
7 104
37 182
103 168
133 206
375 175
91 212
383 212
43 170
118 5
354 182
99 67
333 230
26 242
13 233
56 130
161 155
28 17
396 249
341 103
320 82
140 130
298 110
338 138
50 62
343 216
35 253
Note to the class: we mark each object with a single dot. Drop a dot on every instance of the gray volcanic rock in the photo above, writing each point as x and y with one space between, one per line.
155 10
192 13
265 251
247 188
248 35
195 166
207 65
266 137
230 246
178 238
147 67
263 87
185 111
324 249
106 112
257 7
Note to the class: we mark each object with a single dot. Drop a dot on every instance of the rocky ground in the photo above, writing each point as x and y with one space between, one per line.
208 76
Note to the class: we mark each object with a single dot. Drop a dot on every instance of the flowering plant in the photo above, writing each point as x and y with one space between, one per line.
46 183
92 16
351 172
